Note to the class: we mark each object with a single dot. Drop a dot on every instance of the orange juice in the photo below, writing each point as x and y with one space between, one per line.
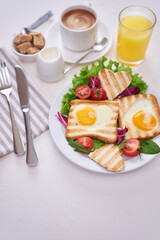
133 37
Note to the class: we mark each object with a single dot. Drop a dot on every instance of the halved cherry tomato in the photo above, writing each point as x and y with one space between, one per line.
85 142
83 91
98 94
131 146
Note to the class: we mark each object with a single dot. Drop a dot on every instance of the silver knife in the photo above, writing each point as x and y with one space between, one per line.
31 158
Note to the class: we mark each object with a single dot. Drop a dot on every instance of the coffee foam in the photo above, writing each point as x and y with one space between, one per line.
78 19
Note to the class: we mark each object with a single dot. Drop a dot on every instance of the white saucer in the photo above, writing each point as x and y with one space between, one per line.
53 38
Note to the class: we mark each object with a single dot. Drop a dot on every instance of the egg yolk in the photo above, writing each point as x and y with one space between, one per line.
144 121
86 116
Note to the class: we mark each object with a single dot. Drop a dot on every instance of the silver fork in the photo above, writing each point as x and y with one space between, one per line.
6 89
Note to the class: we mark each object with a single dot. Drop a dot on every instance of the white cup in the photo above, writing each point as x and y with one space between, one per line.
79 40
50 64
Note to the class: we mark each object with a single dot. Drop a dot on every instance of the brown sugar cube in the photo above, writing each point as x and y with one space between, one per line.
34 33
22 48
38 41
17 39
32 50
26 38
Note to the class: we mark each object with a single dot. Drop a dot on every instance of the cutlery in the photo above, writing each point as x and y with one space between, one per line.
6 89
37 23
97 47
31 157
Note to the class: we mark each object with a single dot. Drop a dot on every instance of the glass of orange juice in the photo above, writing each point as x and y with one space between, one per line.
136 24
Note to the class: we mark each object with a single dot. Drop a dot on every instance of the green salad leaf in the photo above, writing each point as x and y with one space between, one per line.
97 143
122 143
117 67
74 144
138 82
148 147
85 73
66 102
76 147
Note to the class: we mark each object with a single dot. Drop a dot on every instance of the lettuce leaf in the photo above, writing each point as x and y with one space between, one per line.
76 146
85 73
138 82
117 67
66 102
97 143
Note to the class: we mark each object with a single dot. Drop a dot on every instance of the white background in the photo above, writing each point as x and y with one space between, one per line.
57 199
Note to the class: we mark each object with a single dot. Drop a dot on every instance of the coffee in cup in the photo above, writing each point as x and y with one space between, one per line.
78 27
78 19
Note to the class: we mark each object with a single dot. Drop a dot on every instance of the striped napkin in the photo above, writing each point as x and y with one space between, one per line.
39 109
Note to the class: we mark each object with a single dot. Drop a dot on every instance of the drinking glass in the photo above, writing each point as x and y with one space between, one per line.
136 24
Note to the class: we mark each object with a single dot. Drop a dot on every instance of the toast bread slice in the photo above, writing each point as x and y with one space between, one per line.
114 83
109 157
106 132
125 105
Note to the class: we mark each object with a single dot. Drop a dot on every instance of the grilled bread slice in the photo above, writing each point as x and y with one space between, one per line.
105 126
109 157
140 114
114 83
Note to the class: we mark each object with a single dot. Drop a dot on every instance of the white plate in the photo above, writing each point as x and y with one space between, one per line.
57 131
53 38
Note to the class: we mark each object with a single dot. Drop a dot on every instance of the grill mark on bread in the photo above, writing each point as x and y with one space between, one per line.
104 138
117 82
110 76
113 161
114 83
99 153
122 80
105 84
108 132
120 83
126 77
95 134
109 164
119 166
109 157
93 102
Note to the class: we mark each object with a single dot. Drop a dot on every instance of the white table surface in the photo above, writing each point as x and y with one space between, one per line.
57 199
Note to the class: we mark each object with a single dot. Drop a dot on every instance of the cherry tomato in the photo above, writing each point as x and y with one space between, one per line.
83 91
98 94
85 142
131 147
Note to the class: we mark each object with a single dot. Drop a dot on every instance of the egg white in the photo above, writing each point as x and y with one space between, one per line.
103 115
140 105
